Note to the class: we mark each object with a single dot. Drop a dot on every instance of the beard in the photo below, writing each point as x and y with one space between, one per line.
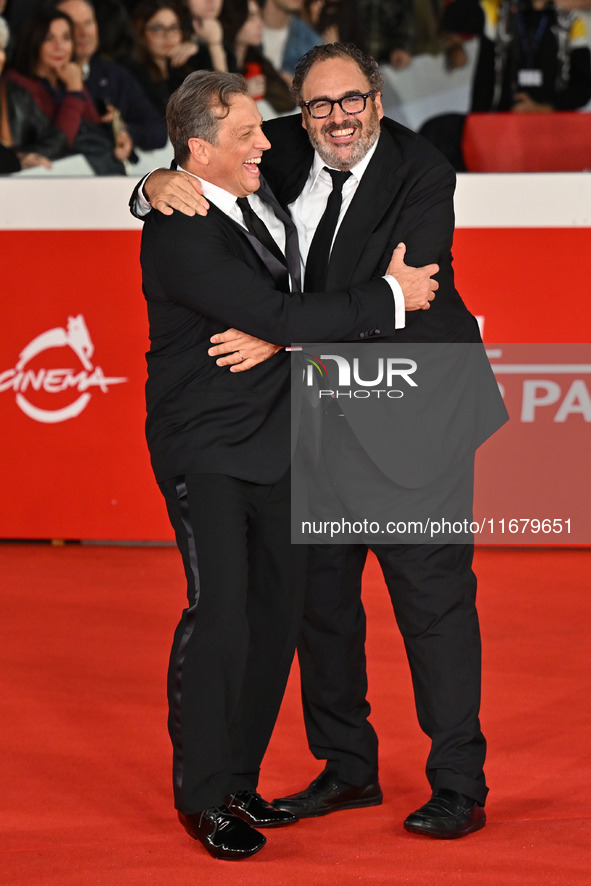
345 156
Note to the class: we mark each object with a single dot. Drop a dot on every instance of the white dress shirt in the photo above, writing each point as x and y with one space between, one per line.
227 203
308 208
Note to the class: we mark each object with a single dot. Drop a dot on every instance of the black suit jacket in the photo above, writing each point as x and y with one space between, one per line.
405 195
201 275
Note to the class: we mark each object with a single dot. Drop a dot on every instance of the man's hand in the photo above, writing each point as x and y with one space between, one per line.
400 59
29 161
123 141
455 54
123 145
417 284
257 86
169 189
241 351
523 104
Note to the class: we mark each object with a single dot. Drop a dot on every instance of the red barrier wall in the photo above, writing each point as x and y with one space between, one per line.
75 464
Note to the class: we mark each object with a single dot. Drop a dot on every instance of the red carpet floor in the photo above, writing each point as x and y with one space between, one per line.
85 792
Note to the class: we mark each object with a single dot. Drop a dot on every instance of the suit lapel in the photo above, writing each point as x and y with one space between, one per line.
287 164
295 180
373 198
275 268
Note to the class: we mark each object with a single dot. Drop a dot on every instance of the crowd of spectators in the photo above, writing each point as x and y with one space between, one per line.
78 77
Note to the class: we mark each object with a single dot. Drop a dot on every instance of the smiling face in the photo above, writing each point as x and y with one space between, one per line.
57 48
342 140
233 161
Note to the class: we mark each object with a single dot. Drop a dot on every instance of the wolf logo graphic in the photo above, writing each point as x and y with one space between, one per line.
76 337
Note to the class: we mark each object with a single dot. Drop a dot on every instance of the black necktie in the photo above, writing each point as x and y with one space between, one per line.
257 227
317 261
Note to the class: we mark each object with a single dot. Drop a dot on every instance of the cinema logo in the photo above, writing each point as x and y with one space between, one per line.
377 378
69 387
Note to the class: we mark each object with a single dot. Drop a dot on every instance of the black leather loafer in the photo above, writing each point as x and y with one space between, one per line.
251 808
327 793
222 833
447 815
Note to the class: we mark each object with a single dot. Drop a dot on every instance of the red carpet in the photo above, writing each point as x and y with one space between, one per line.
85 790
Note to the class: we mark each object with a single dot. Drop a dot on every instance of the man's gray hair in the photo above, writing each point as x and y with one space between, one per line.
197 107
326 52
4 33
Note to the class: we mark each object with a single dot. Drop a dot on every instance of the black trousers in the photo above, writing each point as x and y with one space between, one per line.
235 642
433 593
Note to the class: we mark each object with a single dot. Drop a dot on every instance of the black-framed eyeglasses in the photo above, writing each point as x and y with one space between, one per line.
349 104
161 30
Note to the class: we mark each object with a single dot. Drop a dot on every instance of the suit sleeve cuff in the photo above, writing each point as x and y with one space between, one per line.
400 315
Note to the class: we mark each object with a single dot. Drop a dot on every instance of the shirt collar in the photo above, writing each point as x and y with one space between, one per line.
356 171
221 198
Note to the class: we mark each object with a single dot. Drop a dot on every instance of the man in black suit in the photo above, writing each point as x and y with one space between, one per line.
219 445
402 189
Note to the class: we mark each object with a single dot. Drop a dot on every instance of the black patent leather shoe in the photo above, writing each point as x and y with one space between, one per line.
223 834
251 808
328 793
447 815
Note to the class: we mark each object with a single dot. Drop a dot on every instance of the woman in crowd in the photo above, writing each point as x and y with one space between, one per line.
206 36
242 23
44 65
27 138
159 34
